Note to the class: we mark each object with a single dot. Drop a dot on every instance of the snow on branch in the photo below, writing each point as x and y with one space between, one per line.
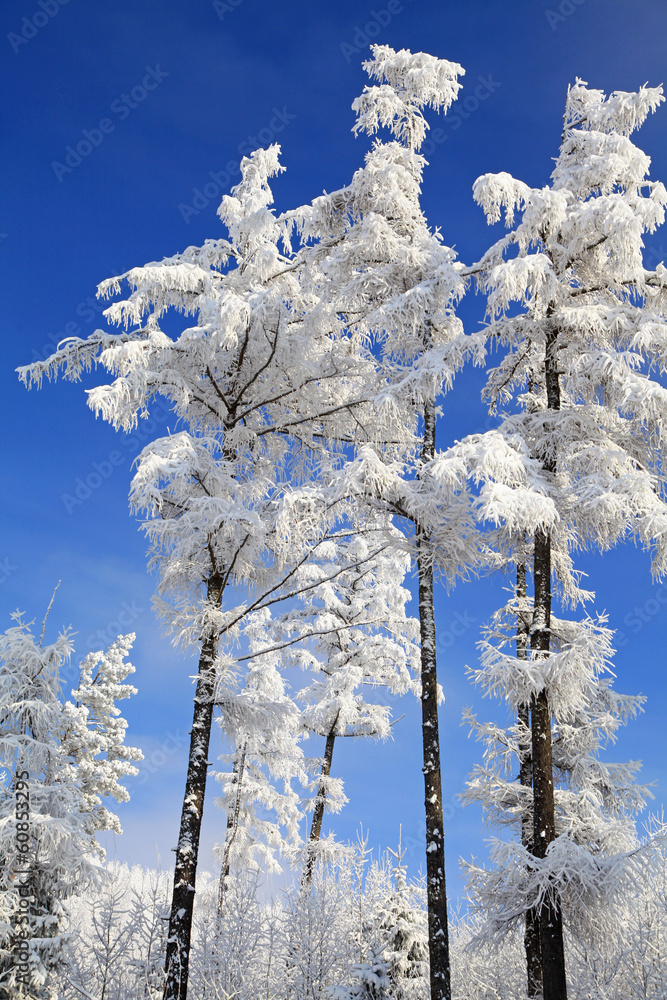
409 82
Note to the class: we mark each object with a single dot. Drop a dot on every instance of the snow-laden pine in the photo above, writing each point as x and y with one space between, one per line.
61 760
261 398
595 862
591 321
395 284
582 325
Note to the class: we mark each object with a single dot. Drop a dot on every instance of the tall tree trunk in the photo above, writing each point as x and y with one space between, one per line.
438 931
544 816
320 802
185 871
531 936
232 825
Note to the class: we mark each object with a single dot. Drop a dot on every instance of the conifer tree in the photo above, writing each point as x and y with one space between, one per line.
395 284
263 398
581 350
595 856
262 722
362 637
406 948
60 761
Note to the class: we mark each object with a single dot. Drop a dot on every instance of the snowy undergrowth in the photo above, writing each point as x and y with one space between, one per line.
360 932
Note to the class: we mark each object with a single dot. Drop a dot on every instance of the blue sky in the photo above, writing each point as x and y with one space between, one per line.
163 99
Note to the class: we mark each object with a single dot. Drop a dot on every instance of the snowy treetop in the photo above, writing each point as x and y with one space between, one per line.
621 111
409 82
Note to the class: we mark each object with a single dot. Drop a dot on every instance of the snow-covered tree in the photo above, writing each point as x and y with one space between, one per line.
262 723
94 732
393 938
583 348
406 947
118 935
234 956
321 932
60 761
360 637
595 857
350 630
395 284
260 396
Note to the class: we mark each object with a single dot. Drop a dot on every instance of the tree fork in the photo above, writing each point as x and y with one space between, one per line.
185 871
438 930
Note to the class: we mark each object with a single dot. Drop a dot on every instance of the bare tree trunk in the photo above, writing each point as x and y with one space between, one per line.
320 802
185 871
438 931
232 825
544 817
531 936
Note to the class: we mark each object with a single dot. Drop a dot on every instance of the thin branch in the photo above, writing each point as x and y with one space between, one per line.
313 417
217 387
41 638
244 348
301 638
208 406
233 562
261 601
80 989
272 353
281 395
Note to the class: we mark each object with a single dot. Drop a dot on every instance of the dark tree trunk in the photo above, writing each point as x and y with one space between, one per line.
531 936
544 818
438 931
232 825
185 871
318 812
544 831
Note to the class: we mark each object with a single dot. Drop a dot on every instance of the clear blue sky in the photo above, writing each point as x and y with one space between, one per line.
169 94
